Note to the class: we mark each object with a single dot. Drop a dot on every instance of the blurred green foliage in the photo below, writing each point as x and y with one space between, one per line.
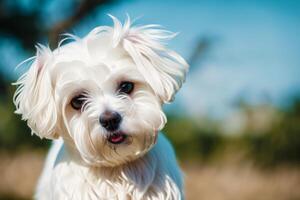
191 140
204 140
14 133
279 144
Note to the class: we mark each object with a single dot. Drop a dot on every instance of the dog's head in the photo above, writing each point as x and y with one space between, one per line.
103 93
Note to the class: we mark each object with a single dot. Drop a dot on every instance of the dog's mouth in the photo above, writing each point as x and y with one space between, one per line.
117 138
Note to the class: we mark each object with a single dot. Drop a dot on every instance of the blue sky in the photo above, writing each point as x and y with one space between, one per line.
254 52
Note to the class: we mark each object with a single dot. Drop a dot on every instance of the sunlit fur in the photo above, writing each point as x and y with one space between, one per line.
82 164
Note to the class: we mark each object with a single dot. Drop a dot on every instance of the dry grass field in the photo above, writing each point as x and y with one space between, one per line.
19 173
241 183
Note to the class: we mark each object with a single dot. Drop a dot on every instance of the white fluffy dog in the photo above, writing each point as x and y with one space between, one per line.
103 96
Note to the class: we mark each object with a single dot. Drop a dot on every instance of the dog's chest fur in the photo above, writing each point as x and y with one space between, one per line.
153 176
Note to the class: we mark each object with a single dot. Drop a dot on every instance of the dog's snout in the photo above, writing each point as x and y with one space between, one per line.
110 120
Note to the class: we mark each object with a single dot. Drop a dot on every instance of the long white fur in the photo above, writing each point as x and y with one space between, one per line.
83 164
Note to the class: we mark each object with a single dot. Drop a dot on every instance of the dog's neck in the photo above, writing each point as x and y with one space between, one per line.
140 172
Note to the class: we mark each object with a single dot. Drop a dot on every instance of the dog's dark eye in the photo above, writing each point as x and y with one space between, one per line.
126 87
78 101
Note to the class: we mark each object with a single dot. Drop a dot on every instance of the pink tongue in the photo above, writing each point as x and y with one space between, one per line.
116 138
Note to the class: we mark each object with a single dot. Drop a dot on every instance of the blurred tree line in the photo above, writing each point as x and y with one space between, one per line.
14 133
27 24
204 139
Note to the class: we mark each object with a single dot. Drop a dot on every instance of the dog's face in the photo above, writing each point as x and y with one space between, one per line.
109 111
103 93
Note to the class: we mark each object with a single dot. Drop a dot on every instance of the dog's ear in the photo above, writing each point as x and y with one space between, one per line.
34 97
163 69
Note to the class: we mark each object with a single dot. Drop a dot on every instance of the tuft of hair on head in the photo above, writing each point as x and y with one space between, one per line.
163 69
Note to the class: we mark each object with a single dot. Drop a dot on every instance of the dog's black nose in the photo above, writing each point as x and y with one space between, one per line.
110 120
